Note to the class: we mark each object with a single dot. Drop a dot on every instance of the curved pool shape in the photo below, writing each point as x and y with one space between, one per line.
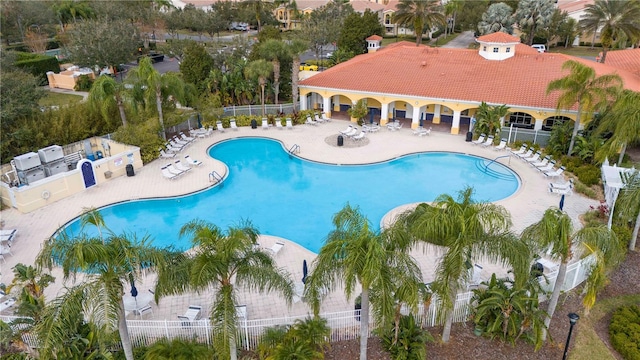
296 199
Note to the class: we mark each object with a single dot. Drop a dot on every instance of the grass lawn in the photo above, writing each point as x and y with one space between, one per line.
442 40
577 51
588 345
58 99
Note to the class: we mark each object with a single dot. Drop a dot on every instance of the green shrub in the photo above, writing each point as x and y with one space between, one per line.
37 65
145 136
624 331
84 83
411 340
623 233
585 190
588 174
571 162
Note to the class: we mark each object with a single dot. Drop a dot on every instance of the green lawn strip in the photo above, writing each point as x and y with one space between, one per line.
58 99
442 40
588 344
577 51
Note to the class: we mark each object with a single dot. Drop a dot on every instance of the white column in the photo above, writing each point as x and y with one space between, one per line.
303 102
455 126
384 114
336 103
538 124
326 105
436 114
415 118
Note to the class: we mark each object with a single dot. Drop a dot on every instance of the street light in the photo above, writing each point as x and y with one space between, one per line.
573 318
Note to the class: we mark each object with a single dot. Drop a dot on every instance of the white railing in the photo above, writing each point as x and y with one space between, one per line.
257 109
345 325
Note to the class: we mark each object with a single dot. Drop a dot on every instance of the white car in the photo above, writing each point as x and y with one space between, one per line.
540 47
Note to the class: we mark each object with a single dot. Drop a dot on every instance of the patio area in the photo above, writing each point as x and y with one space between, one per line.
526 206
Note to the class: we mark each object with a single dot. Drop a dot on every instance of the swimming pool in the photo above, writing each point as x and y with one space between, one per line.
295 199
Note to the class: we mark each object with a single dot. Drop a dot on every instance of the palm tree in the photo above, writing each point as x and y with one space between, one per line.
150 86
106 92
421 14
295 49
32 283
355 253
468 230
623 120
220 262
616 20
554 232
260 69
273 50
583 87
498 17
178 349
489 118
107 264
630 205
533 15
451 8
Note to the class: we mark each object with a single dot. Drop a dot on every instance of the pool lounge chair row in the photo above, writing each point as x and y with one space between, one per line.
353 133
317 119
174 170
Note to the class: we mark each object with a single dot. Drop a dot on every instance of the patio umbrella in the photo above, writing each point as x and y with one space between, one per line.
199 121
561 202
371 117
134 290
305 271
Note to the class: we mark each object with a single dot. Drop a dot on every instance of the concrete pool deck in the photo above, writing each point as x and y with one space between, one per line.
526 206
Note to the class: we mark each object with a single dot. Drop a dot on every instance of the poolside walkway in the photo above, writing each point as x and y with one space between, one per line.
526 206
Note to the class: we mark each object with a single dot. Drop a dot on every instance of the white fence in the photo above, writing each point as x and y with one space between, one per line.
345 325
257 109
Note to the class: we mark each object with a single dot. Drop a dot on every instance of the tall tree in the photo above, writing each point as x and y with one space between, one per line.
356 28
498 17
259 70
107 264
196 65
623 121
154 87
451 9
534 15
630 205
355 253
421 15
322 26
581 86
223 261
617 21
554 234
69 11
106 93
274 50
102 42
469 231
295 49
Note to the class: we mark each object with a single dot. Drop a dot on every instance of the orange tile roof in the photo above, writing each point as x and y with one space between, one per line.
628 59
457 74
362 5
572 6
498 37
374 37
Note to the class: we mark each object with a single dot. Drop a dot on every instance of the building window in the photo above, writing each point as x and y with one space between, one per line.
520 119
484 48
387 19
508 49
555 120
495 49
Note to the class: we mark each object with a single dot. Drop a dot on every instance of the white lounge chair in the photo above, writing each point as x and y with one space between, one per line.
526 154
279 123
179 141
562 186
276 247
567 191
178 165
5 250
479 140
164 155
172 169
502 145
534 158
310 121
184 137
347 130
265 124
549 167
176 145
420 131
232 124
205 133
143 311
219 126
192 161
318 119
488 142
353 132
168 174
289 124
325 117
172 149
8 235
360 136
523 149
555 173
541 163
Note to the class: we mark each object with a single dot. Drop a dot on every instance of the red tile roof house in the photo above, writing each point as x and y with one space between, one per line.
446 86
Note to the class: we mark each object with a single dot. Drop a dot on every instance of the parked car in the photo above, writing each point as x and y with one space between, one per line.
540 47
308 67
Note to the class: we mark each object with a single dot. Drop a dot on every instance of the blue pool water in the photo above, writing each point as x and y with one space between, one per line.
295 199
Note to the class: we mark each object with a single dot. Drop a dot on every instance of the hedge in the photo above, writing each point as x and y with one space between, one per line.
624 331
38 65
